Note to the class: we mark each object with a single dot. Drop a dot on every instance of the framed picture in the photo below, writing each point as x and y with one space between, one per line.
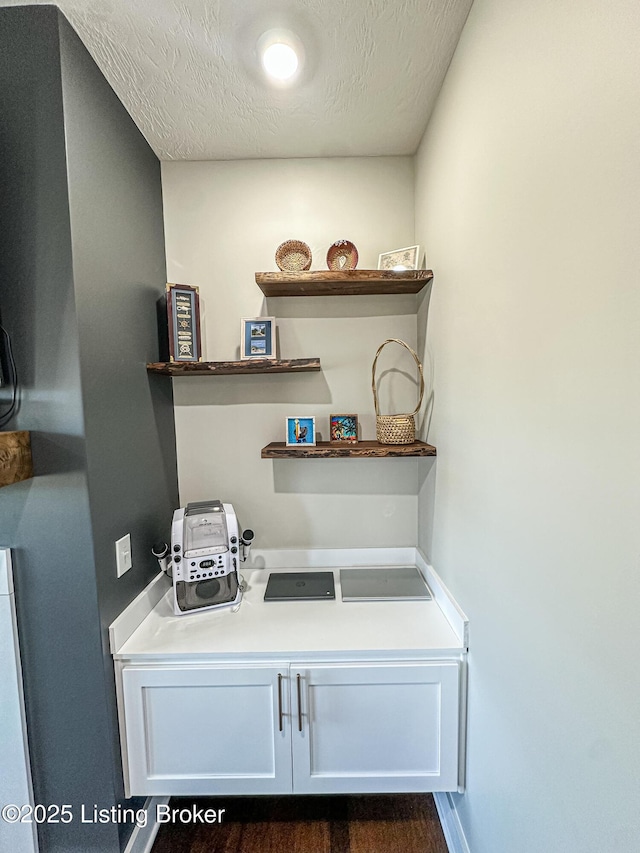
301 431
343 428
183 317
400 259
258 337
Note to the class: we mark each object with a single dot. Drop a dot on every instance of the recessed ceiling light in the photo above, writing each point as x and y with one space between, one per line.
280 60
282 56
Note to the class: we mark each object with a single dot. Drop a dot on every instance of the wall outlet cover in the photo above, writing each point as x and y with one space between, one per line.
123 555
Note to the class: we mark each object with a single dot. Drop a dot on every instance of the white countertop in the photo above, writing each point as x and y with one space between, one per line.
292 629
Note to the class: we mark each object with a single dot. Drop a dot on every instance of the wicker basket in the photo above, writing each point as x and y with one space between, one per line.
293 256
342 255
395 429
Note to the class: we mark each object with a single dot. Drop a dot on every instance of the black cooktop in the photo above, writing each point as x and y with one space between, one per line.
299 586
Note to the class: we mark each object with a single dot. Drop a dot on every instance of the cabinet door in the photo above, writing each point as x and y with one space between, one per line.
375 728
207 729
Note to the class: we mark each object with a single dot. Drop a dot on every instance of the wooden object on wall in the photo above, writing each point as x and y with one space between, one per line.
15 457
227 368
342 282
335 450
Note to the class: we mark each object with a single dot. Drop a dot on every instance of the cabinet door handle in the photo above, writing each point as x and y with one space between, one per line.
299 688
280 714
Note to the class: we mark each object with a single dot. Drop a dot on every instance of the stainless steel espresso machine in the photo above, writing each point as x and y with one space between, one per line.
206 549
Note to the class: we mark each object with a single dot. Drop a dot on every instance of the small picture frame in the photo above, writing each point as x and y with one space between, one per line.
301 431
343 428
400 259
183 317
258 337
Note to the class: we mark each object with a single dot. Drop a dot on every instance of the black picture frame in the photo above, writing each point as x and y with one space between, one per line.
183 318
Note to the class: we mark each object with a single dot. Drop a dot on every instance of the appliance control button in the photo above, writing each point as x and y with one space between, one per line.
177 559
233 540
176 547
234 550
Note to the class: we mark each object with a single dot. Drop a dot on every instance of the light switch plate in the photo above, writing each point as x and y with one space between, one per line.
123 555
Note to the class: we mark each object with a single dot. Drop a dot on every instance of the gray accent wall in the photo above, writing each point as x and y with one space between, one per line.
82 265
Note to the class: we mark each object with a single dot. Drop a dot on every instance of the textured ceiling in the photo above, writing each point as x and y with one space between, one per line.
188 73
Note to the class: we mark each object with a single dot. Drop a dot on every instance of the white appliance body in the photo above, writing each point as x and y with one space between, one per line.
15 775
205 549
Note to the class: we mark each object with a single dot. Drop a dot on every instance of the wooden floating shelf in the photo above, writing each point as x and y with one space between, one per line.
15 457
228 368
342 282
336 450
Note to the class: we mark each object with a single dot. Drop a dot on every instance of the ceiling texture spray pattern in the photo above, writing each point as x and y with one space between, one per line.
189 73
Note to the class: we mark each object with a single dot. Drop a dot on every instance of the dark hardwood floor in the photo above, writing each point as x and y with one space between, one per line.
392 823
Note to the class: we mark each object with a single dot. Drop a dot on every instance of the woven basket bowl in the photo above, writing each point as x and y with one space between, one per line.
293 256
342 255
395 429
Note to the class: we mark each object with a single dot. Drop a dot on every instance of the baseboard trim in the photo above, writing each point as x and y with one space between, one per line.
142 837
451 826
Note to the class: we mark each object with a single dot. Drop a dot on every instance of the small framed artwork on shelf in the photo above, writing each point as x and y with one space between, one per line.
258 337
343 428
301 431
183 317
400 259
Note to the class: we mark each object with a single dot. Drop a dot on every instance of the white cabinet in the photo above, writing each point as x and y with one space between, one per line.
291 727
375 727
202 729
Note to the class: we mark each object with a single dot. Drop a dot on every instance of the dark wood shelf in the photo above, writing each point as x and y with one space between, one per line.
337 450
228 368
342 282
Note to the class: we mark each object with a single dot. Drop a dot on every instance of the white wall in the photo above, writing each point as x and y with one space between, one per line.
224 221
528 188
